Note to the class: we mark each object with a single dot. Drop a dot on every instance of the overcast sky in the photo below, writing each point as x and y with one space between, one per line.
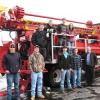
77 10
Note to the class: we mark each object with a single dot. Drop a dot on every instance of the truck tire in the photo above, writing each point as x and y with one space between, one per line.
55 77
99 61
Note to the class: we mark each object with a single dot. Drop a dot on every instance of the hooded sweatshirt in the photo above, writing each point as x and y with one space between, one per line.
12 62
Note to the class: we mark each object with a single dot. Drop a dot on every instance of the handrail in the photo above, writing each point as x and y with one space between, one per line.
85 42
88 39
75 35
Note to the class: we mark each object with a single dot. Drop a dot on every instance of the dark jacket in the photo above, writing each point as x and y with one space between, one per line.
24 50
76 61
49 29
12 62
64 63
93 59
61 29
39 38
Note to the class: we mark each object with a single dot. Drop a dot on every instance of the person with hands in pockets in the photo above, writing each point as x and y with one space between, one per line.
12 66
64 62
36 64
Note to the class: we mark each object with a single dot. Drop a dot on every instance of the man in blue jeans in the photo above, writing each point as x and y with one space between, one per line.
64 61
12 65
36 63
76 66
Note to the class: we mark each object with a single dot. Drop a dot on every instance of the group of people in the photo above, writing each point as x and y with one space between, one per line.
42 37
12 66
71 66
66 35
70 63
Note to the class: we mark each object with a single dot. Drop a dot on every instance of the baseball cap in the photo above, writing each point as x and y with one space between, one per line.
36 46
12 45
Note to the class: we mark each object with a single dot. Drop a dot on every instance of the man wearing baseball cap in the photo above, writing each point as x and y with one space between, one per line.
36 64
12 66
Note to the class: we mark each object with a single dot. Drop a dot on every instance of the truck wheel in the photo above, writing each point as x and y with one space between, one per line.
98 61
55 77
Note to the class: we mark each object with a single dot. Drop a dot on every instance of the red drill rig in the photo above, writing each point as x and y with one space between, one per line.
88 36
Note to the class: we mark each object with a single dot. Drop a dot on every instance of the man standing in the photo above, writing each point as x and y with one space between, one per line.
36 63
39 38
76 66
12 66
64 62
50 29
62 30
90 62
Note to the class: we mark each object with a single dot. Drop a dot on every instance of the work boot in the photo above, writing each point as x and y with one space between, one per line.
62 91
41 97
33 98
69 89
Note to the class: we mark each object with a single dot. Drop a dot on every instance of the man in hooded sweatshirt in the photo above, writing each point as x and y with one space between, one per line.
12 66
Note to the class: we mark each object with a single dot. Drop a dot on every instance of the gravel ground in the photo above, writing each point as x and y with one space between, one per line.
84 93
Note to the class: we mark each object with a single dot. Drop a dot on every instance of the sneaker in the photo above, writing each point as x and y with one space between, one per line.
74 87
41 97
33 98
79 86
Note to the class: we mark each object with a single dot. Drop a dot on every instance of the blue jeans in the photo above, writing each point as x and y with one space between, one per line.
77 77
36 79
70 47
10 79
67 74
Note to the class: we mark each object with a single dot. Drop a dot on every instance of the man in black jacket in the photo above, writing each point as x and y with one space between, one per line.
90 61
62 30
12 66
39 38
49 29
64 61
